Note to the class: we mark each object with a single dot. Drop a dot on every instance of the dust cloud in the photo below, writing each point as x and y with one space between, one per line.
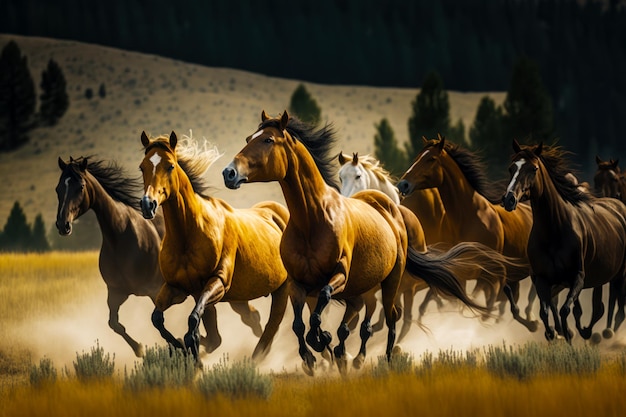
76 331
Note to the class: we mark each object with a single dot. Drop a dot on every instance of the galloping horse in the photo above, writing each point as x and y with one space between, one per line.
334 246
130 244
210 250
608 180
471 214
576 241
358 173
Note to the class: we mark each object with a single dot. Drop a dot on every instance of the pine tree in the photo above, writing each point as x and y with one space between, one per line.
486 136
39 241
16 234
304 106
17 98
386 149
528 112
430 113
54 100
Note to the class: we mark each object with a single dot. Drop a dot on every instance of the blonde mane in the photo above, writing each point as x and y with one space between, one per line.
372 164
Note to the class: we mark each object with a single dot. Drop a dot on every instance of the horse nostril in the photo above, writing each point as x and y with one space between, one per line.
229 173
509 201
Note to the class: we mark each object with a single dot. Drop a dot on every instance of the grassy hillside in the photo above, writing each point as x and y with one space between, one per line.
158 95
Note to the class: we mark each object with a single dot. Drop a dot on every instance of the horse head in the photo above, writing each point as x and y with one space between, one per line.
73 199
426 171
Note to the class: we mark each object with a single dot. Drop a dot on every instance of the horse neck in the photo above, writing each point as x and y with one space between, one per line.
456 193
181 211
111 214
304 189
549 209
384 185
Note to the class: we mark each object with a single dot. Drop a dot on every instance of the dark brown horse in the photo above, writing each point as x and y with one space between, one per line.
130 244
333 245
608 180
210 250
576 241
472 211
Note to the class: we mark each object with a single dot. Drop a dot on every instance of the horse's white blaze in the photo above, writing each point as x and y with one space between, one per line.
155 159
67 190
419 158
519 167
148 191
257 134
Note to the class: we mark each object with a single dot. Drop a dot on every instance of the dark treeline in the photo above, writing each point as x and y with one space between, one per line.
472 44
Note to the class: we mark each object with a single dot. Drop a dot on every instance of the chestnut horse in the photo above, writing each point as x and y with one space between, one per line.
130 244
576 241
210 250
358 173
470 213
335 246
608 181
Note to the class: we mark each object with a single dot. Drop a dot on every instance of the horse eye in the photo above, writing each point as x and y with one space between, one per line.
269 140
358 177
170 168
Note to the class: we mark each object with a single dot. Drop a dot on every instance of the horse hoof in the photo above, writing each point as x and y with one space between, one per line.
358 362
595 339
327 354
607 333
533 326
139 351
397 350
342 365
308 369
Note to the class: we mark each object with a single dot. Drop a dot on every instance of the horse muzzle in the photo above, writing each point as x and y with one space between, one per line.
509 201
148 207
232 178
64 228
404 187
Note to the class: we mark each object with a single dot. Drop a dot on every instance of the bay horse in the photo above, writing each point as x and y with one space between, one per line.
358 173
608 180
576 241
128 259
473 212
210 251
335 246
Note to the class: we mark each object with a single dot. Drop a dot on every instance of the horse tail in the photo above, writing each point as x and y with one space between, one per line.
441 269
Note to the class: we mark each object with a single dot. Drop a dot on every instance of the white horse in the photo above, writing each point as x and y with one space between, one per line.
365 173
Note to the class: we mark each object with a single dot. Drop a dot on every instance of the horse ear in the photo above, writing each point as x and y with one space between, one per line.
264 116
173 140
442 142
598 160
284 120
538 149
62 164
145 141
355 158
83 164
440 137
614 164
424 140
516 147
342 158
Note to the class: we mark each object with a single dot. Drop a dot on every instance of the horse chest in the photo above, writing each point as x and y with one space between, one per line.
309 261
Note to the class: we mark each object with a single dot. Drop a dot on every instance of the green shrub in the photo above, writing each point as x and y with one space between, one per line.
539 359
162 366
401 363
241 379
94 365
44 373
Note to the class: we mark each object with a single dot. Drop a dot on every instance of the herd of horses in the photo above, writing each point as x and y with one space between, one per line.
348 232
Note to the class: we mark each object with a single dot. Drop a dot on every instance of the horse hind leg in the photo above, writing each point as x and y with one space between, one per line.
280 296
365 331
250 316
212 340
408 298
353 306
597 310
114 301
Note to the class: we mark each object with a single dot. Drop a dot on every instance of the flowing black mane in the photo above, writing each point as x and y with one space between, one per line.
318 142
115 181
554 158
474 170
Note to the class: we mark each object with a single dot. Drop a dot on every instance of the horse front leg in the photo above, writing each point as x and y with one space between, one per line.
597 310
298 299
114 301
572 295
167 297
212 293
544 292
353 306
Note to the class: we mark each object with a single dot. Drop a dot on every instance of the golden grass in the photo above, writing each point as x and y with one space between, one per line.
37 284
